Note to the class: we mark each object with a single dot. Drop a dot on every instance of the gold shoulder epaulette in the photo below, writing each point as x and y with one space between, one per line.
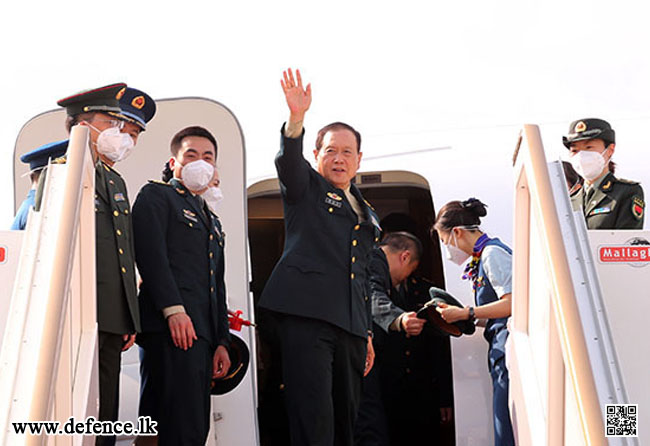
61 160
159 182
624 181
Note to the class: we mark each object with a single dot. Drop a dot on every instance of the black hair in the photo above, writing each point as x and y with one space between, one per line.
571 175
459 213
71 121
403 241
337 126
167 173
195 130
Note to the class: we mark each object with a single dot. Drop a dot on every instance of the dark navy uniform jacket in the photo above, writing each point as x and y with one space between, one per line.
417 368
179 249
322 271
615 204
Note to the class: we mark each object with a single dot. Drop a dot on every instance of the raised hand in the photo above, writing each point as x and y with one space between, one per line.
298 98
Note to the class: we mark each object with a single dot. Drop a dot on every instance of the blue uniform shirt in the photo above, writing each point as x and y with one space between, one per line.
494 277
20 221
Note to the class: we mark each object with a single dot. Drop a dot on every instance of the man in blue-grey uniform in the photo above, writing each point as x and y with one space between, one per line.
179 248
37 159
317 289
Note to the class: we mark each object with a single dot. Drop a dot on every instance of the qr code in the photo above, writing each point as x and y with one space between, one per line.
621 420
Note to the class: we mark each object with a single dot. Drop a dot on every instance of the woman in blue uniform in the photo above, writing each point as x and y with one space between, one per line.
490 272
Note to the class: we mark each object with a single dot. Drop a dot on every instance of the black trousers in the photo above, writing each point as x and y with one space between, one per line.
175 388
322 369
371 428
110 363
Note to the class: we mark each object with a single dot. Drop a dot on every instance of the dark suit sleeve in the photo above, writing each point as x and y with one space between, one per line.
293 169
223 328
150 220
625 218
384 311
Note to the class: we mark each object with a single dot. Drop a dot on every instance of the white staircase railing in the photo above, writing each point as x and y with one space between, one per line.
561 358
48 364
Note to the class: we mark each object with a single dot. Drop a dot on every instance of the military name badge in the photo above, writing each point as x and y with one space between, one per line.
604 210
190 215
637 208
118 196
334 199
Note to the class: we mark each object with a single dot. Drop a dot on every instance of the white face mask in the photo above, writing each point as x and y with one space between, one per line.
213 196
197 175
589 165
113 144
454 253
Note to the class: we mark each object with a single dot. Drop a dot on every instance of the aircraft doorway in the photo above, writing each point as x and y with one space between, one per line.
403 197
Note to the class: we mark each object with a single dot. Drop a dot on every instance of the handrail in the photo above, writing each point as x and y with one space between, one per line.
41 311
571 337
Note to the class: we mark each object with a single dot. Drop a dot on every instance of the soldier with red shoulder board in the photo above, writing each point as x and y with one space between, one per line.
607 202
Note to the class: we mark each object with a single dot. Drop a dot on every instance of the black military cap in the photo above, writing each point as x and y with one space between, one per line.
103 99
39 157
239 359
430 313
137 106
589 128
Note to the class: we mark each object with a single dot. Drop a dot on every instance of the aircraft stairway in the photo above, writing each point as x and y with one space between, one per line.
572 348
48 364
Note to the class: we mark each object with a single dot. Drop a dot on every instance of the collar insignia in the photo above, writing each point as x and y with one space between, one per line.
607 186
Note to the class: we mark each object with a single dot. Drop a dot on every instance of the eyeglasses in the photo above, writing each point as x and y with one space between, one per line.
113 122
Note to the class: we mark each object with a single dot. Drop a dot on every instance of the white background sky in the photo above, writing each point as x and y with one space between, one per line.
389 68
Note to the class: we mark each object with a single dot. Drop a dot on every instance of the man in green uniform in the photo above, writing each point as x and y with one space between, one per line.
112 136
607 202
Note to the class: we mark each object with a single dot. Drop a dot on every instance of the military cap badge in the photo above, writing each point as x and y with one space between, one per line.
138 102
581 127
138 106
